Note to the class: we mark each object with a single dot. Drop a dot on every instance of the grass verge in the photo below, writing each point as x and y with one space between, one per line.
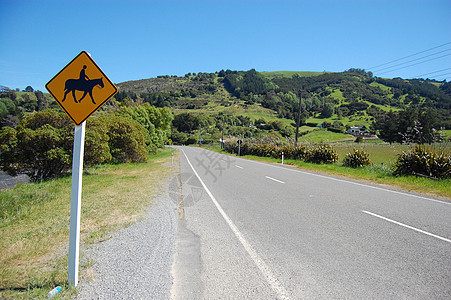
378 173
34 221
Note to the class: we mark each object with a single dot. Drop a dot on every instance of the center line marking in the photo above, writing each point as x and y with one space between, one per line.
239 167
259 262
407 226
276 180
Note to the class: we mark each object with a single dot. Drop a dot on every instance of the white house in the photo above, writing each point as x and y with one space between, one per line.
358 130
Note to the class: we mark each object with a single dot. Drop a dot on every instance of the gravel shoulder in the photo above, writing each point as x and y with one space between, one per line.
135 263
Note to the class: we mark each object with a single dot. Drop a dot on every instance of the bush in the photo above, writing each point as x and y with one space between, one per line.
322 153
41 154
423 161
357 159
97 149
294 152
157 122
178 137
358 139
41 145
127 138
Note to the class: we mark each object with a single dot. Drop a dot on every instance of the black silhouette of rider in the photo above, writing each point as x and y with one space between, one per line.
83 74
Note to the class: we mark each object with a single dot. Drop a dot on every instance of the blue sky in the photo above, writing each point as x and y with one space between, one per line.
133 40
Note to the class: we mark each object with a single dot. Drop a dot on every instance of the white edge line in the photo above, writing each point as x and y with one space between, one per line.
239 167
407 226
267 273
351 182
276 180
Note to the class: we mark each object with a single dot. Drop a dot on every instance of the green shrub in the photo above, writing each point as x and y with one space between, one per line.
41 145
37 148
358 139
357 159
423 161
157 122
97 149
178 137
321 154
294 152
127 138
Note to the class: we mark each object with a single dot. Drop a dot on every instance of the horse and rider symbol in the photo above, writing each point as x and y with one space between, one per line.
83 84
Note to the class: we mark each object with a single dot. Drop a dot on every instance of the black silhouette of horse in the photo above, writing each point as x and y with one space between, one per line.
86 86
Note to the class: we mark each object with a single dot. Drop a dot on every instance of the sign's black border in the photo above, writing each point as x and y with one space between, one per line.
106 77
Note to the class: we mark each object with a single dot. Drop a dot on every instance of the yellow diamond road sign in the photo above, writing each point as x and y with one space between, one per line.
81 88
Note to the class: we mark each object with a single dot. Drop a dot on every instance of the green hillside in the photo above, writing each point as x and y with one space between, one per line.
254 103
289 74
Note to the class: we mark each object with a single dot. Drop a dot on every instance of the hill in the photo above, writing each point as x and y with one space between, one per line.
350 92
252 99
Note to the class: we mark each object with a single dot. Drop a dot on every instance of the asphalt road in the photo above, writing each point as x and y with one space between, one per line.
262 231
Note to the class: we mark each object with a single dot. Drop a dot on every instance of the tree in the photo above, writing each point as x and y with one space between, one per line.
408 126
178 137
388 127
29 89
127 138
41 145
42 101
186 122
3 110
10 121
328 110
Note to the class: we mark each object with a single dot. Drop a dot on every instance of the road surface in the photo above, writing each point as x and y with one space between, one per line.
252 230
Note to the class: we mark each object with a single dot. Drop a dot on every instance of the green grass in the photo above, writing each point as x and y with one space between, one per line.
337 94
322 136
446 133
289 74
354 120
381 86
34 221
379 153
383 156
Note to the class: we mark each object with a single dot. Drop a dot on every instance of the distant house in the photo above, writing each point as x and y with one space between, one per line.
358 130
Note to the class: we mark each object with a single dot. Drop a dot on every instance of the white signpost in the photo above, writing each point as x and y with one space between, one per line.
75 203
69 87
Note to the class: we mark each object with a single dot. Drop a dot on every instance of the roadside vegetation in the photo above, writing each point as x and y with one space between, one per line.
421 169
34 221
123 161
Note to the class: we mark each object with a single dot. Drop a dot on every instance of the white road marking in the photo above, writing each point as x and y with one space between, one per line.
276 180
407 226
259 262
239 167
351 182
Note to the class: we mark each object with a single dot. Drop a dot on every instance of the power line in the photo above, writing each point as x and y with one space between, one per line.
409 56
403 63
415 64
432 72
440 75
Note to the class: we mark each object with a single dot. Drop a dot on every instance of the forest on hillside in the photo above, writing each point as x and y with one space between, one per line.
350 91
200 100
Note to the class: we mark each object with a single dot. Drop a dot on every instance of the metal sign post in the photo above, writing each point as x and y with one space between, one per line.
75 203
80 88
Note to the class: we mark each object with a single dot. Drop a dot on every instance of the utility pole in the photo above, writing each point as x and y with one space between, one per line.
298 121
